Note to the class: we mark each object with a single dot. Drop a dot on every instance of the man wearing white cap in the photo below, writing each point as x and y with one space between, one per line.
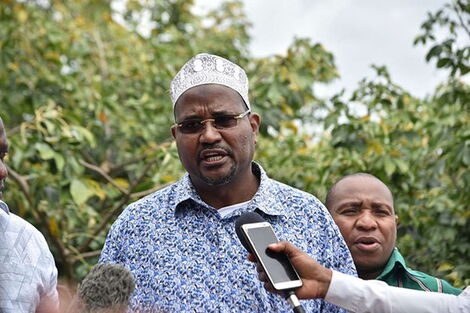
180 242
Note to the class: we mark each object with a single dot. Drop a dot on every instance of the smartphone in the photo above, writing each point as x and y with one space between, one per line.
277 266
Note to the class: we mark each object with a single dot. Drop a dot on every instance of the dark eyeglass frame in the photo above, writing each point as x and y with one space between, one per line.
217 122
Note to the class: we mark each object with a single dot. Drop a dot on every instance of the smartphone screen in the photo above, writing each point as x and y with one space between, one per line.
276 265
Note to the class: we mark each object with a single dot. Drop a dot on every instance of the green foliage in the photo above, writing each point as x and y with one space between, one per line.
452 51
282 94
85 102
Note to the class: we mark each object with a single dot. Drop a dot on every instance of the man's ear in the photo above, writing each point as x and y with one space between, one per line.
255 121
173 131
396 219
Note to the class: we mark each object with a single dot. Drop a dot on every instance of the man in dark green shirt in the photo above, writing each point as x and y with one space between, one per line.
362 207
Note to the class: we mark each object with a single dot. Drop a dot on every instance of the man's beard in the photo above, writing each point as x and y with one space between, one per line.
221 181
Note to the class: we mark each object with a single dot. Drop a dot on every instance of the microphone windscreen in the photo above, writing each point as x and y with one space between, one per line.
246 218
106 287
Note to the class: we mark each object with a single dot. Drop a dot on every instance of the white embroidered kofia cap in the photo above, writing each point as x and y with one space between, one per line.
209 69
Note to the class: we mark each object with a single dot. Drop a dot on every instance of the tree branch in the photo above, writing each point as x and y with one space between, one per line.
22 183
63 251
105 175
148 191
85 255
118 167
14 130
102 55
114 210
459 15
104 222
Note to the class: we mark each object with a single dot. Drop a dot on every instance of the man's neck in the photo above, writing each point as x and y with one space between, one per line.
229 194
369 274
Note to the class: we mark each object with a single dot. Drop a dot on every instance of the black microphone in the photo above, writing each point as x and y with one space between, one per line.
253 217
246 218
107 288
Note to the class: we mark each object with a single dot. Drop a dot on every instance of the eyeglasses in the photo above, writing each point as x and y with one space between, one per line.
192 126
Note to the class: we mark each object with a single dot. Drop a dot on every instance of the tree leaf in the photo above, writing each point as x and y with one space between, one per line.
434 51
45 151
389 166
80 191
444 62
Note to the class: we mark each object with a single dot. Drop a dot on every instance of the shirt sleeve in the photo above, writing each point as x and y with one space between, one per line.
109 253
361 296
115 241
448 288
48 297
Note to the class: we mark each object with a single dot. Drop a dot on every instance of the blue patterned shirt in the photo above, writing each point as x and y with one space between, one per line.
185 257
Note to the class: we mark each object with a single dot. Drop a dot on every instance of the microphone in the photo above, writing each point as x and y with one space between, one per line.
107 288
246 218
253 217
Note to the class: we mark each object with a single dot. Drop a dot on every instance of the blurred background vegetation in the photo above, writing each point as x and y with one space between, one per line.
84 97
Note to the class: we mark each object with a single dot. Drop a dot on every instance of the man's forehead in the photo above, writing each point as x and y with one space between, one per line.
216 98
355 187
359 181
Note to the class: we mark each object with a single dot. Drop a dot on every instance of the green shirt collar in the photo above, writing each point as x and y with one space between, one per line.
397 274
395 259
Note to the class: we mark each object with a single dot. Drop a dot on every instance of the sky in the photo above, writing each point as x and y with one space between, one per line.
358 33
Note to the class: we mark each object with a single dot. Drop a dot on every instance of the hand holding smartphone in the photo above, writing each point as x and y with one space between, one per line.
277 266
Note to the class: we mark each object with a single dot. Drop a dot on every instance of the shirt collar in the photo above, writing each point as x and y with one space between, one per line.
396 259
4 207
264 200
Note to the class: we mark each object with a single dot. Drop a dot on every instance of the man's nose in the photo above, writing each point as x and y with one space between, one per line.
366 221
209 133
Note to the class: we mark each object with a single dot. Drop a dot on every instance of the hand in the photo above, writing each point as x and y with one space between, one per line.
316 278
